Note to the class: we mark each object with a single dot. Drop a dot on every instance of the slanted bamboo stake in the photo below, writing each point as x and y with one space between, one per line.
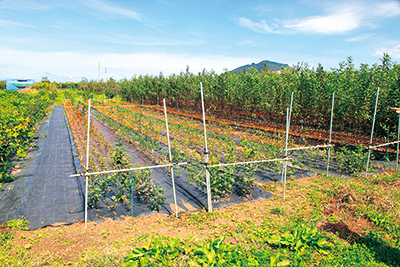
170 158
286 144
372 132
210 209
330 135
288 115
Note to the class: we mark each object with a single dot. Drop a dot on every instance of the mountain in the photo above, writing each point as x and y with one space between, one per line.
272 66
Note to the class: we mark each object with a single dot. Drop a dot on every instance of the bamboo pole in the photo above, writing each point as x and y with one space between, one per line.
170 158
330 134
248 162
209 200
286 145
130 169
87 164
372 132
132 187
397 152
288 115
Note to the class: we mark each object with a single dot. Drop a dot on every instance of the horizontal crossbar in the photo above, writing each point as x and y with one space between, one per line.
391 143
127 170
249 162
309 147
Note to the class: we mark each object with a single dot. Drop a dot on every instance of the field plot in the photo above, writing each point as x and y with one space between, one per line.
350 138
113 195
315 130
125 135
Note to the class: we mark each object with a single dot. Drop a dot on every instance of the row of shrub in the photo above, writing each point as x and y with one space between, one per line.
266 95
20 113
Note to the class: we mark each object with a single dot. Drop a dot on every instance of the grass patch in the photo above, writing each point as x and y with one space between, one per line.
325 221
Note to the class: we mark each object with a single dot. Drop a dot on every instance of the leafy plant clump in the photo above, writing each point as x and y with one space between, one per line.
20 113
121 187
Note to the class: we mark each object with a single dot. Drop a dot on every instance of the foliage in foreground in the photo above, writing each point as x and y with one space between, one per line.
20 113
303 239
298 231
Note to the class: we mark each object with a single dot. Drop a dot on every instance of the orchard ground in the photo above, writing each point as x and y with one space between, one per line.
346 211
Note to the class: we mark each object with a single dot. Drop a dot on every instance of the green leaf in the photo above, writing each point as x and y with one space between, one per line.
284 263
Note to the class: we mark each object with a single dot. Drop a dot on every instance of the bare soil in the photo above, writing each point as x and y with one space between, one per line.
70 242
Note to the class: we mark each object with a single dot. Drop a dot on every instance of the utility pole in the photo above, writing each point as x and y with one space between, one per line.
99 71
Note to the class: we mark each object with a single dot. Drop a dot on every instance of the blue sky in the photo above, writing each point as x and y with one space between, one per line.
66 40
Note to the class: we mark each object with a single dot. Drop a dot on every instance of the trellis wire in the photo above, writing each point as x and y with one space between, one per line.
372 132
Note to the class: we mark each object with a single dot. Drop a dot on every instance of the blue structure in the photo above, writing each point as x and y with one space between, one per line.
17 84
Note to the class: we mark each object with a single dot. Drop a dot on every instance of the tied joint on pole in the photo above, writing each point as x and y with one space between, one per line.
206 151
82 174
174 164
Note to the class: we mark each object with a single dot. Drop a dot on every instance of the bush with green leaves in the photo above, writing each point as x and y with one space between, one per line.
119 187
19 116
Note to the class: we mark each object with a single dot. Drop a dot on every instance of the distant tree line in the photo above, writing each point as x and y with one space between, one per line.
267 94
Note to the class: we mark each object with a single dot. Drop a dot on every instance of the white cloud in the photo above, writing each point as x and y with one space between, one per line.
112 9
6 23
360 38
261 27
23 4
386 9
342 17
247 43
337 17
394 51
343 21
74 65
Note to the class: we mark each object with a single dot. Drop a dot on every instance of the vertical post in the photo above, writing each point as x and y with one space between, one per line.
301 131
330 134
286 145
291 104
87 163
387 147
398 137
132 188
372 132
206 152
288 116
170 158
